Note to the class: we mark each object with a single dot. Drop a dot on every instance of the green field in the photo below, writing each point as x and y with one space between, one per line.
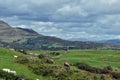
95 58
98 58
7 61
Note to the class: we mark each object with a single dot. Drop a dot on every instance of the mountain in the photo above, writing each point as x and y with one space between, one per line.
21 38
113 41
78 39
8 33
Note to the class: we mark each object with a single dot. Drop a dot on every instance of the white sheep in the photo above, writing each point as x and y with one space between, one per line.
9 71
12 72
6 70
15 56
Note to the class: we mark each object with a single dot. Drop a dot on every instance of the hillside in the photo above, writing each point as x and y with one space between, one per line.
8 33
40 67
7 61
78 39
22 38
113 41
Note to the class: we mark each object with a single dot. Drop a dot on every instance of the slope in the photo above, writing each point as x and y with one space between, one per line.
7 61
8 33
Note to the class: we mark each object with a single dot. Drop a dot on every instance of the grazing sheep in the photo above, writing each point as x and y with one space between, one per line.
9 71
15 56
12 49
6 70
67 65
12 72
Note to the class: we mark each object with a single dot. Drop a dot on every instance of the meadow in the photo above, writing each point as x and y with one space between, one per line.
94 58
7 61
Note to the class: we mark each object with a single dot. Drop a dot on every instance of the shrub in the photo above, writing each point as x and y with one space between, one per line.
115 75
91 69
54 53
41 56
109 68
50 61
103 77
22 60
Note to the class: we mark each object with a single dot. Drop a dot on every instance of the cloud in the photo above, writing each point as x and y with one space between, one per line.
90 19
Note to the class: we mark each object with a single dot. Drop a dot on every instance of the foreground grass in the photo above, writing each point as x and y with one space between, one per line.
97 58
7 61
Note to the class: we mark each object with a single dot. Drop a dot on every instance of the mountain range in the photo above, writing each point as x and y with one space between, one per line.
22 38
113 41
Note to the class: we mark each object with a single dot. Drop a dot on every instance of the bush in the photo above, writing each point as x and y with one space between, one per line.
54 53
103 77
41 56
53 71
109 68
115 75
22 60
50 61
86 67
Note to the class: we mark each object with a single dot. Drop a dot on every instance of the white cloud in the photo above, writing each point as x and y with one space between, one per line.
98 19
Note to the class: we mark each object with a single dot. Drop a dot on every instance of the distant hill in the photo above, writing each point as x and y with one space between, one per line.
8 33
22 38
78 39
113 41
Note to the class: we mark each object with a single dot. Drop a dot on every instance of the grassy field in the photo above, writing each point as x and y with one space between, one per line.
7 61
95 58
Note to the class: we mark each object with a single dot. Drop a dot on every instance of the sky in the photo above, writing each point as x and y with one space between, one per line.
66 19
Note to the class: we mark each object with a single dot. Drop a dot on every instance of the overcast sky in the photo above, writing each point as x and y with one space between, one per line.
89 19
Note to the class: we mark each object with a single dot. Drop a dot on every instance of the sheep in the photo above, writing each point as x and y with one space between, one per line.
12 72
67 65
12 49
9 71
6 70
15 56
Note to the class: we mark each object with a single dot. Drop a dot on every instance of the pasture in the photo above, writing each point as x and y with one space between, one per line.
7 61
31 70
96 58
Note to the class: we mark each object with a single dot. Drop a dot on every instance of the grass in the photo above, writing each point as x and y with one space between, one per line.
7 61
97 58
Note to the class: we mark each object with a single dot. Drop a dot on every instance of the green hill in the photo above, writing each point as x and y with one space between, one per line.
43 69
29 39
22 38
7 61
9 34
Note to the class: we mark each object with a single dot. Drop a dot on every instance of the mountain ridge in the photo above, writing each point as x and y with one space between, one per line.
113 41
9 33
29 39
